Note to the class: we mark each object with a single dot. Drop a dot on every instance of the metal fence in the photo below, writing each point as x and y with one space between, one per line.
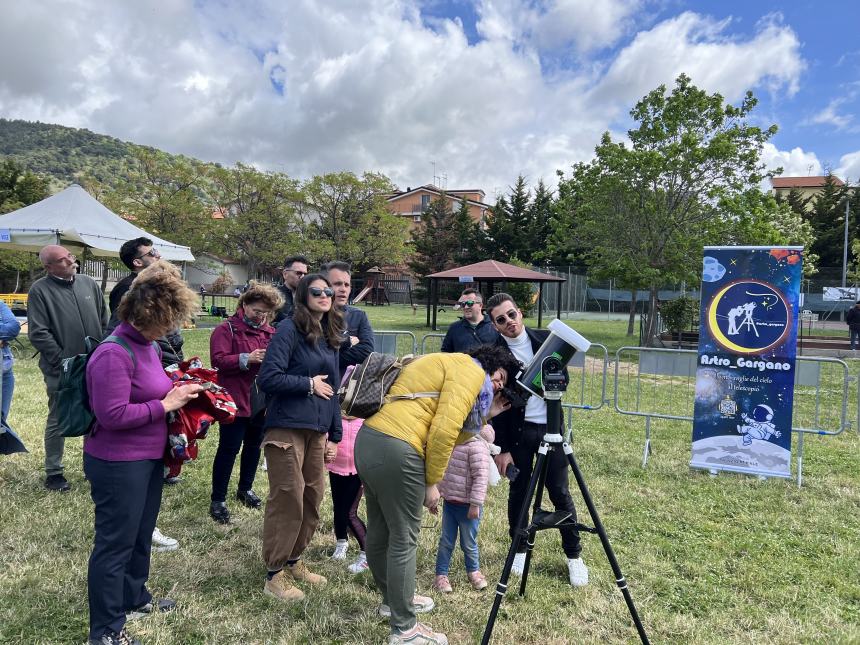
661 383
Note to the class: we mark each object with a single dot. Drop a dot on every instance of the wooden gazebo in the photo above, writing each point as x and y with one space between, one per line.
489 272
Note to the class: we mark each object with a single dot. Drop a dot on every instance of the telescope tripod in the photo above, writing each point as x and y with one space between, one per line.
542 519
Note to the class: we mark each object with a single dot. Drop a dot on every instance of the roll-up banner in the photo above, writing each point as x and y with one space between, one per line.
747 348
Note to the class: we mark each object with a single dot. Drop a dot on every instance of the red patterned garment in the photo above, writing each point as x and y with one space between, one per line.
191 422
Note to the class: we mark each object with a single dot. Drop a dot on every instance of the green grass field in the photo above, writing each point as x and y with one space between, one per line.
726 559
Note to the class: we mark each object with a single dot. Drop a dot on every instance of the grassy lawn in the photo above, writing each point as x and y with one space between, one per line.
727 559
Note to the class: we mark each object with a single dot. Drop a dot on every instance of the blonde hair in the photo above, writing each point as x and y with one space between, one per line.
265 293
158 299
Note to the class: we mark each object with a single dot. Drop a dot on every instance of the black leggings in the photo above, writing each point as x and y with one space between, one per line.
346 492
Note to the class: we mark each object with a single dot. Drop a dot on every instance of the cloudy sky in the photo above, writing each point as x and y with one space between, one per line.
477 91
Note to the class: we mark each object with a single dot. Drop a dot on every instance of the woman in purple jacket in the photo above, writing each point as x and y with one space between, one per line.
237 347
130 396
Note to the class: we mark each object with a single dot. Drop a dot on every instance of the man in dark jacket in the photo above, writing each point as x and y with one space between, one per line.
137 254
519 432
359 335
473 329
852 318
63 309
295 268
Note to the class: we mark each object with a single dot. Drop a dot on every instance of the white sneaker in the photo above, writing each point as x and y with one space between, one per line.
360 563
161 542
519 564
420 605
340 550
578 572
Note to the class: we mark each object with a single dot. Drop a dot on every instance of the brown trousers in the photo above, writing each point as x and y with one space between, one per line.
296 470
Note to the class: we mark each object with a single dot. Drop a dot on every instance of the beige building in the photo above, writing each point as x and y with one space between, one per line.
808 187
412 202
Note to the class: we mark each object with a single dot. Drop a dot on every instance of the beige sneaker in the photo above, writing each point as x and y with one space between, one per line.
420 605
419 635
478 580
281 588
300 572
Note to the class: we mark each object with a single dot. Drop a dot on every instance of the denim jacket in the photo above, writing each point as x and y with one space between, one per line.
9 329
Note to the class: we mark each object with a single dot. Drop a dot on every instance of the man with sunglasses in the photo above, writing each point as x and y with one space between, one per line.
63 309
137 254
295 268
473 329
519 432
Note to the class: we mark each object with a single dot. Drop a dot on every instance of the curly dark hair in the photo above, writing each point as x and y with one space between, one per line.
332 325
492 357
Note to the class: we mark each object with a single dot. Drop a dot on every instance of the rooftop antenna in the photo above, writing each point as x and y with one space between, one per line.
434 172
809 170
444 181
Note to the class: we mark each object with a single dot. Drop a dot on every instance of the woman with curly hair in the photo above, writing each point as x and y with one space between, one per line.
303 428
130 396
401 454
237 348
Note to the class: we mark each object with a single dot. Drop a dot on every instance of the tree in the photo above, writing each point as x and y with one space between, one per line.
18 188
539 226
261 226
165 196
827 219
435 243
646 210
348 219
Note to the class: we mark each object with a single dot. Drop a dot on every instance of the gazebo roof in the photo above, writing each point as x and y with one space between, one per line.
493 270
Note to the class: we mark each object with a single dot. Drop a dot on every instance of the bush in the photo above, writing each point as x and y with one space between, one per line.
680 314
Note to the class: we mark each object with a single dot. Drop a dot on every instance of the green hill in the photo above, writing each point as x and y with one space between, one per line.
65 154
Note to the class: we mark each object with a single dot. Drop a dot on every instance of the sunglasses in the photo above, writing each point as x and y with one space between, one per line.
153 253
316 292
298 273
467 303
500 320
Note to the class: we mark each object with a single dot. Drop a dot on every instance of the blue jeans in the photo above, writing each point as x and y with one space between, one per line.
7 386
454 519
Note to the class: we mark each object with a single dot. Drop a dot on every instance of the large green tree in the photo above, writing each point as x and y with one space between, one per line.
349 220
260 226
644 209
18 188
436 242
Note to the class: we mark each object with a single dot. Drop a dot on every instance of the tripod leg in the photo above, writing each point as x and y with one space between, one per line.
607 547
541 467
519 534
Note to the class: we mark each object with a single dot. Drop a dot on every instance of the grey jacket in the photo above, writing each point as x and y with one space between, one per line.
60 315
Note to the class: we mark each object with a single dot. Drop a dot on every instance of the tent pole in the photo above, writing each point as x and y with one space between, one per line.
540 304
429 298
558 299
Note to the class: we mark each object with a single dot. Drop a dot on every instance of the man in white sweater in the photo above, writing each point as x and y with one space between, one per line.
519 432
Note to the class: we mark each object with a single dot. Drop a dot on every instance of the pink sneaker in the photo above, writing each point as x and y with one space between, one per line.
478 580
443 584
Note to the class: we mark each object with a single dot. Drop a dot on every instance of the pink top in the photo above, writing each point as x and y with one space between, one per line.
344 463
465 480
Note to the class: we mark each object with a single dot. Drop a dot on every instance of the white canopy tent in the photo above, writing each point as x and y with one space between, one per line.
76 220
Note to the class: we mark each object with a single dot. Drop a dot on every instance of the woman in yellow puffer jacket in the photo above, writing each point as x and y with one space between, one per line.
401 454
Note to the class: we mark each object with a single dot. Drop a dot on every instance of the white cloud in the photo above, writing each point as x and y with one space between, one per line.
849 167
794 163
309 87
702 48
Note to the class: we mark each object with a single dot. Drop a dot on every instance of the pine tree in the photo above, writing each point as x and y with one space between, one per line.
435 242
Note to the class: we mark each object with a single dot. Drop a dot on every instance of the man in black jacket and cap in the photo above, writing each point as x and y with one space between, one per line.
295 268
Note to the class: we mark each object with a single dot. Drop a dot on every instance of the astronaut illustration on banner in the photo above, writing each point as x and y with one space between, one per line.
758 426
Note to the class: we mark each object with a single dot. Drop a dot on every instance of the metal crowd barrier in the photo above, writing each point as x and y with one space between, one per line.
660 384
394 342
435 343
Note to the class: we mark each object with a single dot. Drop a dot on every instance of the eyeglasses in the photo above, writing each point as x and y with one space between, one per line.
153 253
316 292
512 314
467 303
301 274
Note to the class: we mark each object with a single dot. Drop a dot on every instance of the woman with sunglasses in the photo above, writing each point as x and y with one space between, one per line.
302 430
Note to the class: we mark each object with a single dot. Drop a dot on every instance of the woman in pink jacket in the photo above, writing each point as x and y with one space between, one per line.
346 493
237 348
464 488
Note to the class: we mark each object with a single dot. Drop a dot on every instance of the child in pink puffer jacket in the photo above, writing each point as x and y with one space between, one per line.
346 493
464 488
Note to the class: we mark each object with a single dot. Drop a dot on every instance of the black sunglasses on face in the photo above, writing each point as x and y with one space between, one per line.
467 303
153 252
512 314
316 292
